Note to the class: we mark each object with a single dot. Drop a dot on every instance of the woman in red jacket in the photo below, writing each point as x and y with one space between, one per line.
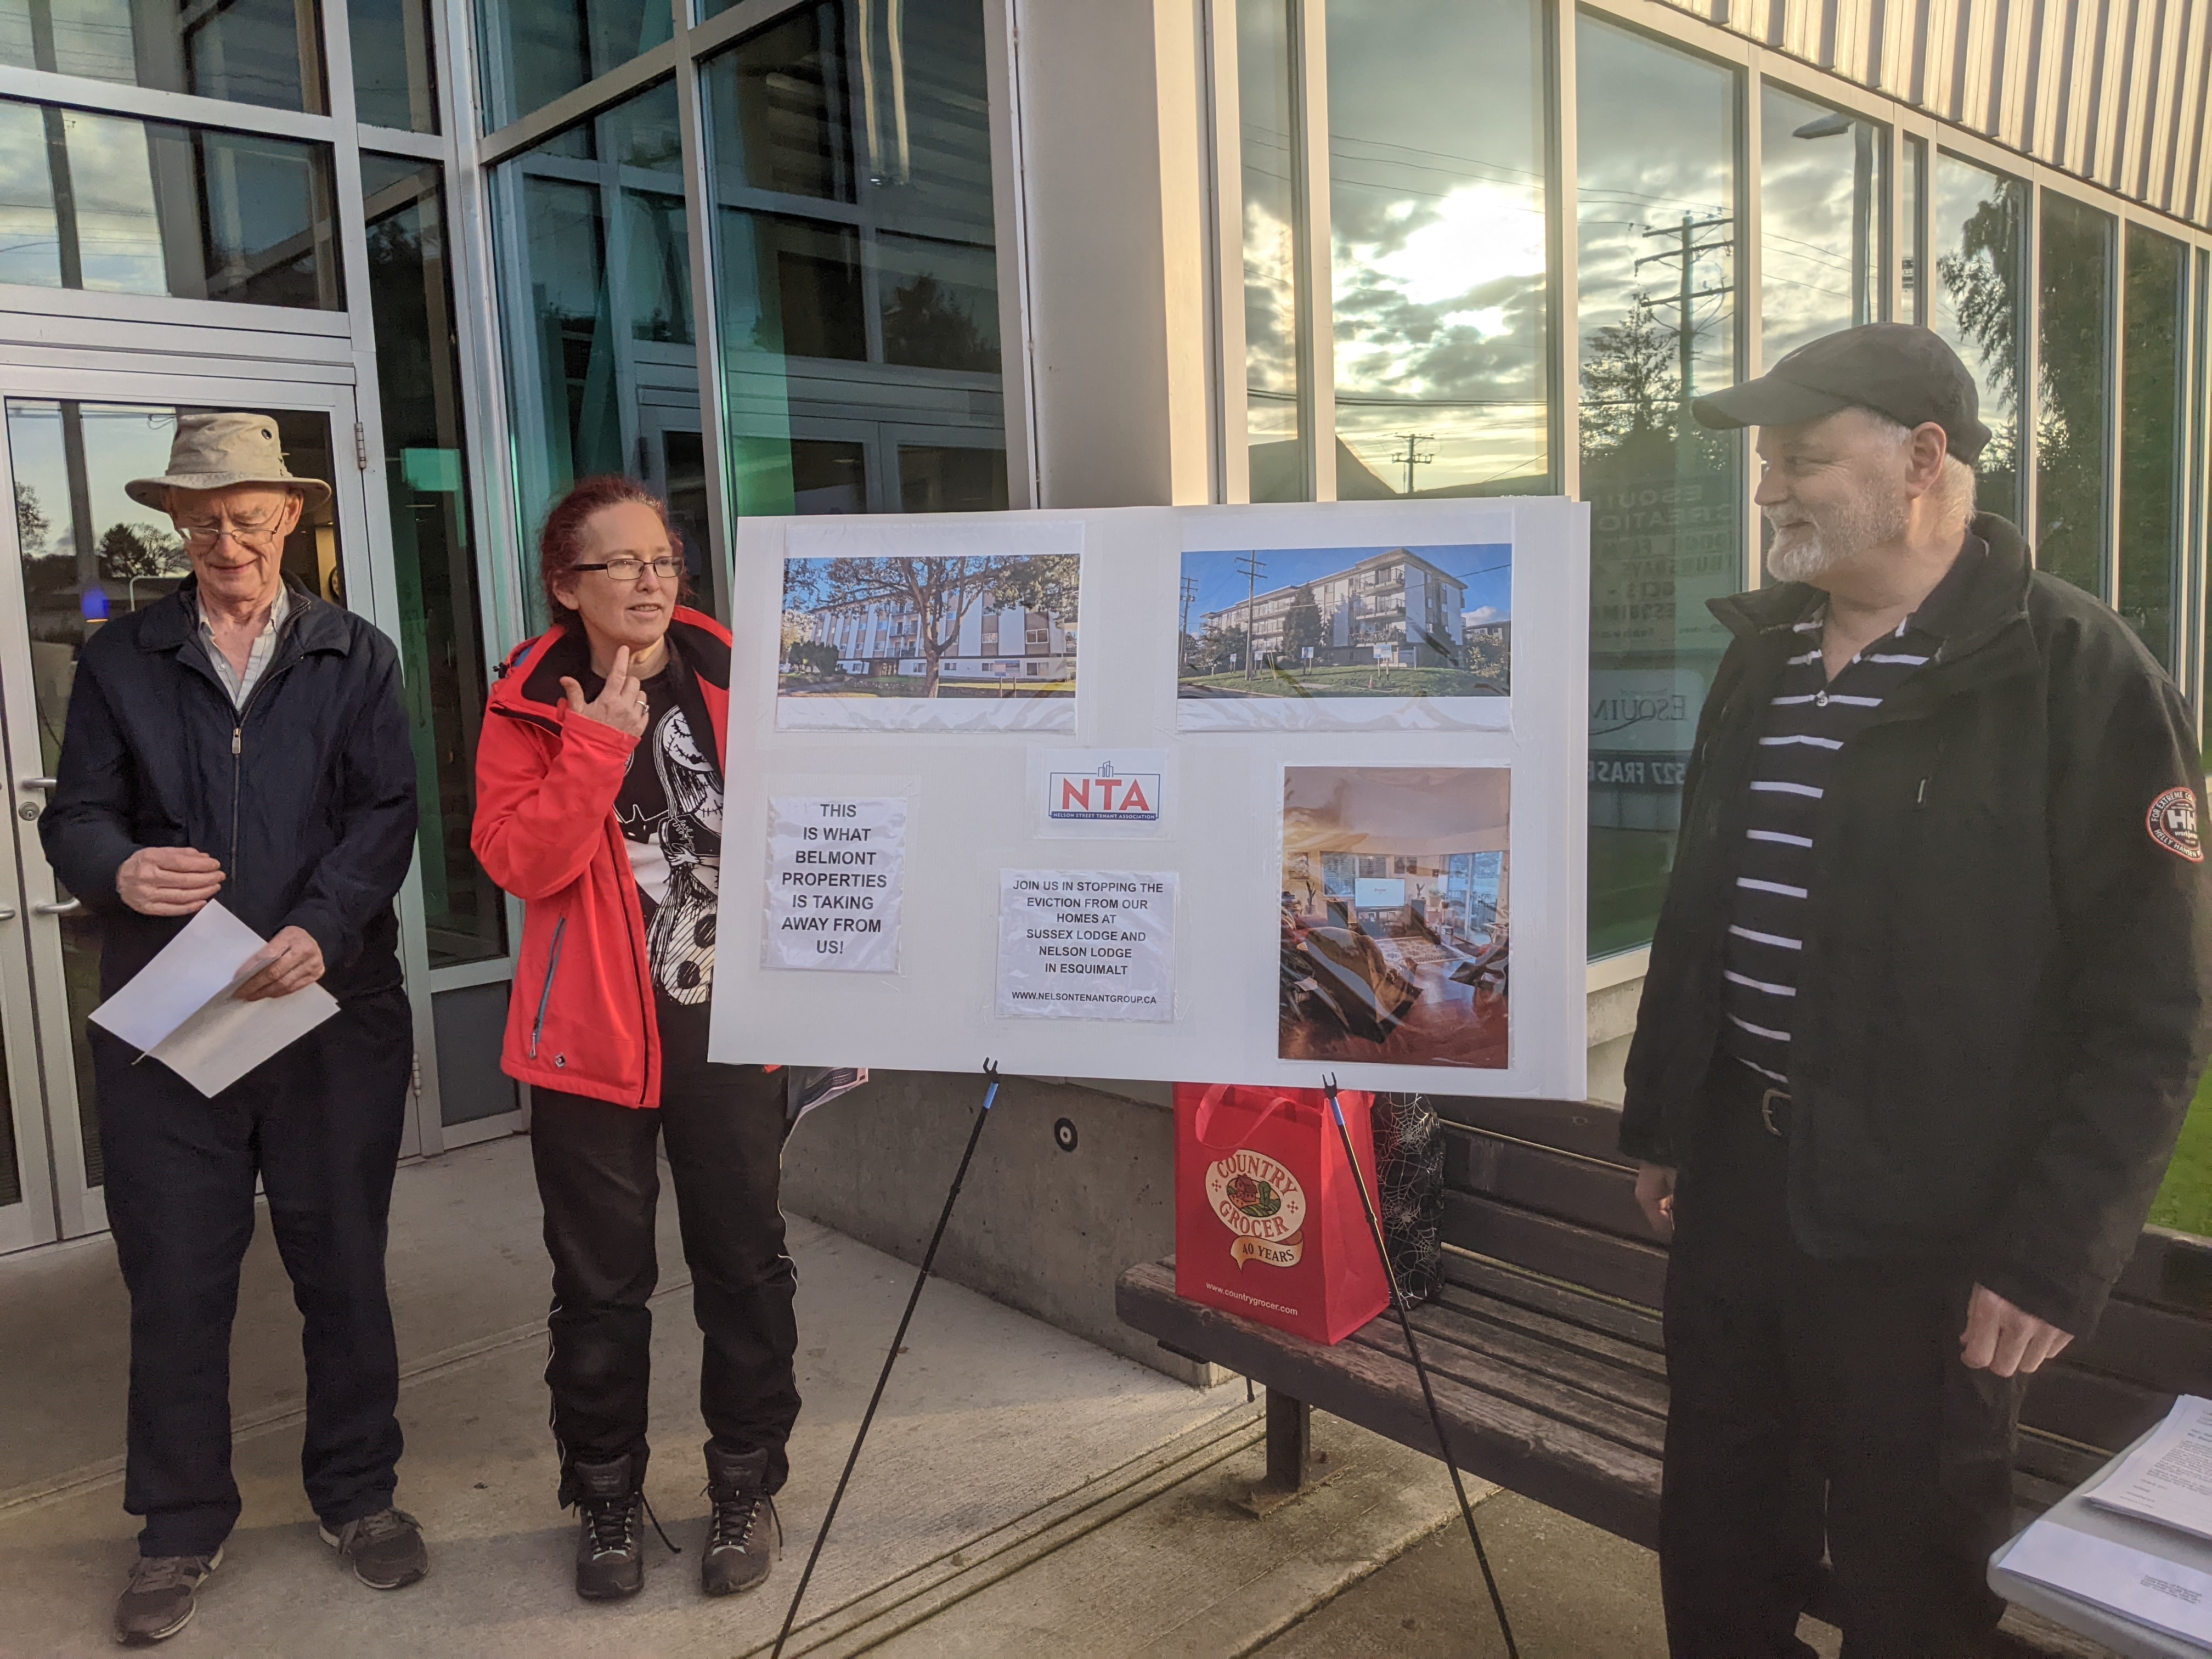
599 805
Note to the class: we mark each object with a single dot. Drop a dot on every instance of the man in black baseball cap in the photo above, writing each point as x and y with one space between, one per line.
1926 1006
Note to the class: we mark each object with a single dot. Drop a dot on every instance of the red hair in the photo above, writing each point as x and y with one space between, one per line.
560 541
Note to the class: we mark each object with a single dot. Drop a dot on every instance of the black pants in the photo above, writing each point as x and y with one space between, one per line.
598 1178
1812 1398
319 1124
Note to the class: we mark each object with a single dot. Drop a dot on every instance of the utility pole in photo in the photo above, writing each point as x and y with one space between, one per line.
1413 454
1251 566
1182 634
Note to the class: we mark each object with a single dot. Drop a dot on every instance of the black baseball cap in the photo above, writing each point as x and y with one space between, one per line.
1908 374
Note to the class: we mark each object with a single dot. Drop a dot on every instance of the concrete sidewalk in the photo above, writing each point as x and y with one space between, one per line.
1021 1491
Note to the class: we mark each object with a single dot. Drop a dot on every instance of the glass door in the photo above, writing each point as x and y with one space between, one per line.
85 555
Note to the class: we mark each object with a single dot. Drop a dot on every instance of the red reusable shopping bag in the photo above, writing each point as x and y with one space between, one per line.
1267 1222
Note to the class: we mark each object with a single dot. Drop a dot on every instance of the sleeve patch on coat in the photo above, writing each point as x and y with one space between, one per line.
2172 823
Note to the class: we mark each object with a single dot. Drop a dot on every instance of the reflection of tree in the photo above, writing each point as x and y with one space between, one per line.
128 549
1631 385
1981 276
1301 625
32 525
926 325
937 593
2069 414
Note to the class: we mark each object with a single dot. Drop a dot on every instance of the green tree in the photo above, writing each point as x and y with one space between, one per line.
812 657
939 593
32 525
1301 626
1631 387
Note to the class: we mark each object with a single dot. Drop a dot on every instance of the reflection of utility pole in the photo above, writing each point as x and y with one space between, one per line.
1413 455
1190 597
1685 331
1834 125
1251 566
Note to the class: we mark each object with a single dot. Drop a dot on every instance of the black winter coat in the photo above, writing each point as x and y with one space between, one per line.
2000 1013
307 796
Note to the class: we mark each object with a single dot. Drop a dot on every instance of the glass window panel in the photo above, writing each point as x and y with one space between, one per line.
781 121
418 373
1911 238
533 53
1656 222
594 266
858 328
1437 229
107 202
395 71
1981 281
1821 190
940 303
2073 411
1267 145
268 52
936 479
2152 419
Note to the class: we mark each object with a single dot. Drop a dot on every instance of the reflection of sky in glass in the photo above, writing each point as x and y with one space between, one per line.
1436 224
122 441
1962 190
118 231
1487 568
1263 99
1808 187
30 244
1657 144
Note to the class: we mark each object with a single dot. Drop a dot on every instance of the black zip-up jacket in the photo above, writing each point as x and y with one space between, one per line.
2001 1014
305 796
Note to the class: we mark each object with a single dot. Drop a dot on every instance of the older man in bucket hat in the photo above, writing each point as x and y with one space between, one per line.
244 739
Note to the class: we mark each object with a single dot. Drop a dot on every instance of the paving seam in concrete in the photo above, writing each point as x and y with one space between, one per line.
921 1592
108 1471
1355 1575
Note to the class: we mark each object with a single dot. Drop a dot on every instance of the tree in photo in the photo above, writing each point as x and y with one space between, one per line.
1302 626
938 594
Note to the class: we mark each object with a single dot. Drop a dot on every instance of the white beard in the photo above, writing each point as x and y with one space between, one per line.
1812 546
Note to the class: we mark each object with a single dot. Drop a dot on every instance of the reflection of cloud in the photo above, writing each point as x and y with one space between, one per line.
1483 613
1406 809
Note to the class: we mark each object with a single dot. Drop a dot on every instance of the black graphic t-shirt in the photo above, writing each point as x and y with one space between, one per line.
669 807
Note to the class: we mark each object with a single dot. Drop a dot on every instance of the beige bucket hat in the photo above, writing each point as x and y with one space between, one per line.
213 452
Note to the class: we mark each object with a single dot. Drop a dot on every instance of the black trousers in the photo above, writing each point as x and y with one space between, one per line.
598 1178
1815 1399
319 1124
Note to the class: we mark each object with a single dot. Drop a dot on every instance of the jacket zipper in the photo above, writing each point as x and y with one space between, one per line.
545 996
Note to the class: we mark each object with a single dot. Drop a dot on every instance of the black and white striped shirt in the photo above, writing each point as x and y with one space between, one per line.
1808 722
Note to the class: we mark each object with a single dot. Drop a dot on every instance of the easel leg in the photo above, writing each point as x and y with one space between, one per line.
1294 1467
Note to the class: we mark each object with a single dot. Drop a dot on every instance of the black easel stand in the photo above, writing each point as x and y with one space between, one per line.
1429 1394
929 1257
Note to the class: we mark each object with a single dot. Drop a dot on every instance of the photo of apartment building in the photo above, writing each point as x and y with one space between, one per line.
1392 608
884 639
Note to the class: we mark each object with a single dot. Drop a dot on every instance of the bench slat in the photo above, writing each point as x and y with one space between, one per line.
1612 1265
1509 1283
1600 1195
1495 1317
1589 1126
2097 1411
2051 1460
2173 1269
1582 1474
2153 1345
1580 1399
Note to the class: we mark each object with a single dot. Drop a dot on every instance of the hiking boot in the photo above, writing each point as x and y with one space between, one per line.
610 1555
385 1550
158 1601
738 1553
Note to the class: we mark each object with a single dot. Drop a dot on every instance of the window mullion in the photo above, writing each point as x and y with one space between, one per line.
1317 279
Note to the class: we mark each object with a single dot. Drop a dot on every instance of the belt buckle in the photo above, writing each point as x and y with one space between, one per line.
1766 1110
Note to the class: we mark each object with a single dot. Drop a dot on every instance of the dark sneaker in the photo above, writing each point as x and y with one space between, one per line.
738 1553
157 1602
610 1554
385 1550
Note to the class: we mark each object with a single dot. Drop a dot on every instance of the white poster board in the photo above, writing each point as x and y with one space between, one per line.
1304 786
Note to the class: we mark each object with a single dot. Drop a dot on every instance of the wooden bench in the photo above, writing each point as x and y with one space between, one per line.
1543 1343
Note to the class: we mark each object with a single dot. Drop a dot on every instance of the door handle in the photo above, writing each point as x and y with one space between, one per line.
47 784
7 913
58 908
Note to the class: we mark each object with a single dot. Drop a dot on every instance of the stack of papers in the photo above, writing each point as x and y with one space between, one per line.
2166 1480
180 1009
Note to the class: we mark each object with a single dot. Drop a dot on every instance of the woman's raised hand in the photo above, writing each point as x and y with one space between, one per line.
621 702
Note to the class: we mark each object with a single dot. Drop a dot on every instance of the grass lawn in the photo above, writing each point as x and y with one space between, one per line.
1350 682
2185 1200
